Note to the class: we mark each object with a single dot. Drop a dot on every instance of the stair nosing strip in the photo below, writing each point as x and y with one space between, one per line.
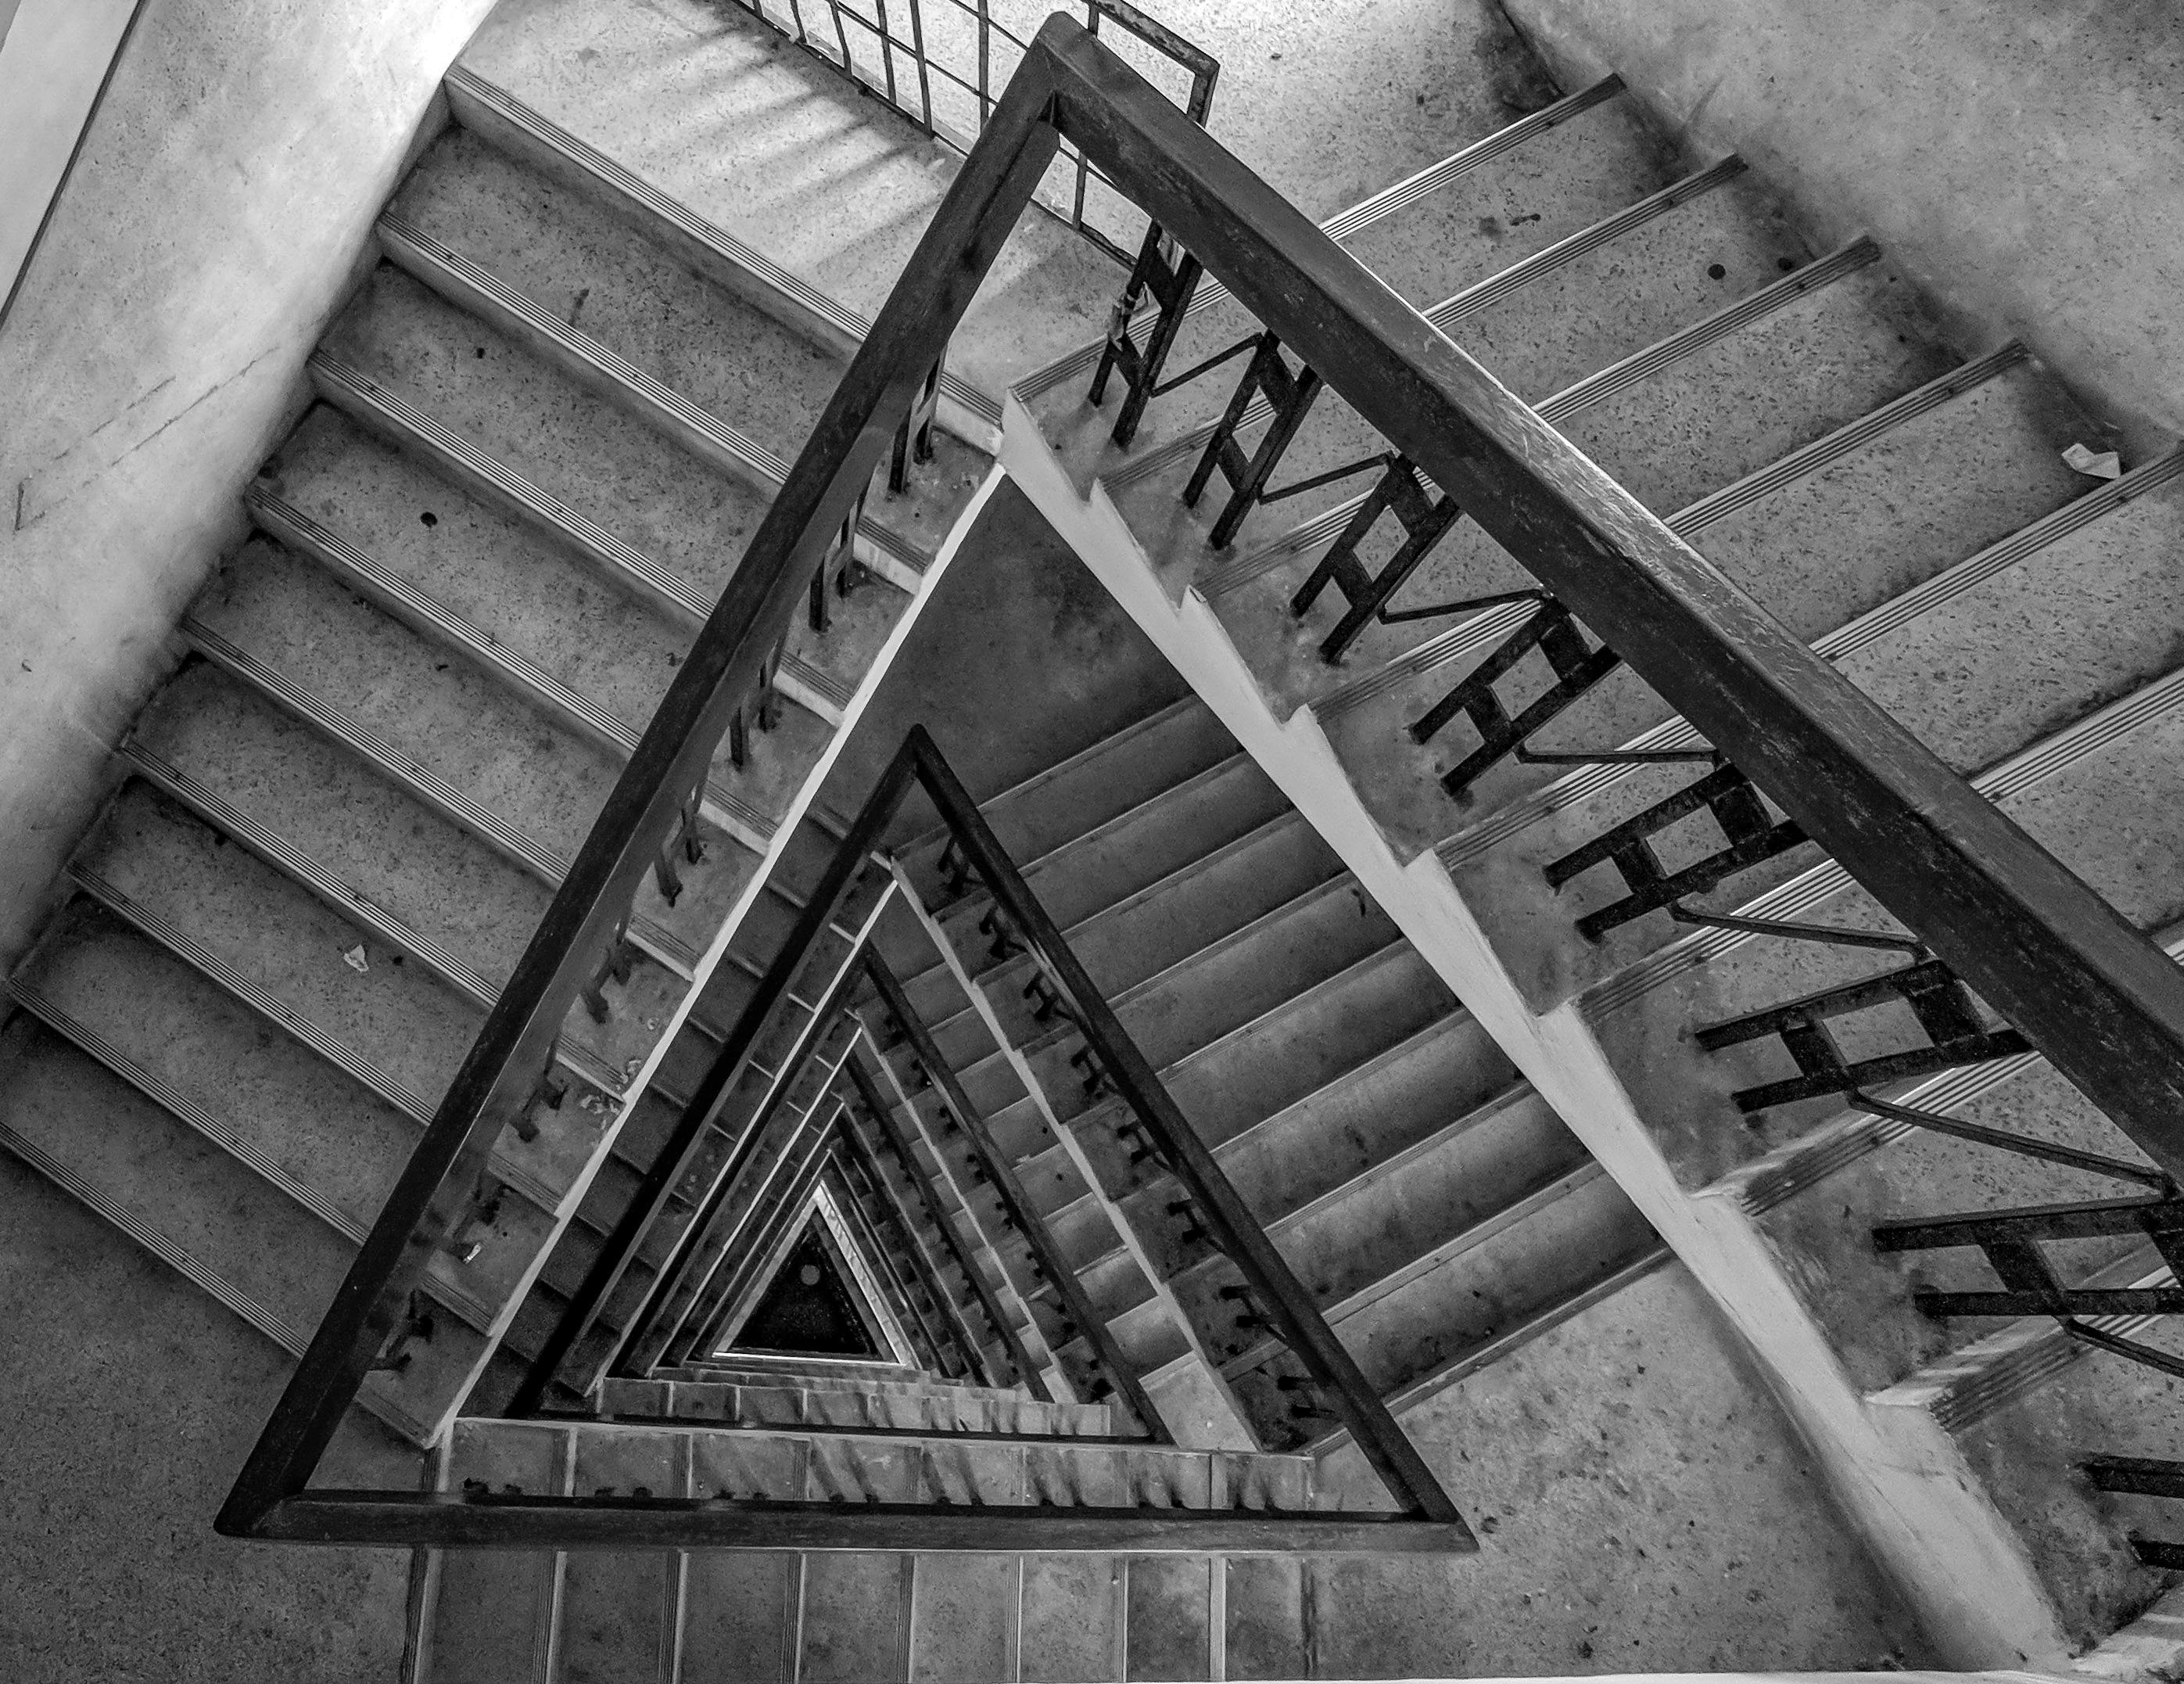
1688 341
1416 1391
1480 296
470 286
1867 628
163 1094
156 928
377 409
1548 1193
839 317
291 861
1368 212
2012 776
351 735
1773 1179
2021 1358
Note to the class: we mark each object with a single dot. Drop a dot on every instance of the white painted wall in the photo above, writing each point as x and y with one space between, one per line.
51 61
217 212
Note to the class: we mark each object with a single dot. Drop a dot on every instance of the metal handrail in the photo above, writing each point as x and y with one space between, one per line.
1292 1313
493 1087
989 1304
2094 995
1021 1212
977 81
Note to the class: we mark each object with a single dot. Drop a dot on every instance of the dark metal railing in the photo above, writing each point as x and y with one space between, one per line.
1109 1373
1024 1371
642 822
1995 912
2040 947
935 62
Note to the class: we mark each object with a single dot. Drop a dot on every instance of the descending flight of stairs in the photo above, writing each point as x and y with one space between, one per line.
541 444
545 428
1427 1196
1801 420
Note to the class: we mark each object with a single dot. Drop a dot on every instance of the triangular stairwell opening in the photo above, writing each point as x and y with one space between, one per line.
811 1305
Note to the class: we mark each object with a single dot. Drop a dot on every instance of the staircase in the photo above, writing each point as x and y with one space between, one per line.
1436 1207
544 429
1908 510
542 434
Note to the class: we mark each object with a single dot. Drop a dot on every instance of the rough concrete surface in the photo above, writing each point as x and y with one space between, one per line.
132 1401
1642 1505
156 352
2025 158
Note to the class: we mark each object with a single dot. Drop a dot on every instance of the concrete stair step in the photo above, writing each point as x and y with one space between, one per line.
468 732
1126 855
785 1465
689 515
1352 1238
247 768
2088 795
199 1210
1634 290
1821 535
897 533
1098 785
908 1407
179 879
1191 1004
836 195
326 1143
1412 1328
1336 1075
567 252
1164 924
1816 364
1160 463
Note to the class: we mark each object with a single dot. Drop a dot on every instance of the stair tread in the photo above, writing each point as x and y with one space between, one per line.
588 267
388 852
795 187
460 725
610 467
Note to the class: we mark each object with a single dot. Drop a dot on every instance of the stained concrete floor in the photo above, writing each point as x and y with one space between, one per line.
131 1400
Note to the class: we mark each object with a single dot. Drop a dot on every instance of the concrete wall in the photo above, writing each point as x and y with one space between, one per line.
156 353
2025 158
53 54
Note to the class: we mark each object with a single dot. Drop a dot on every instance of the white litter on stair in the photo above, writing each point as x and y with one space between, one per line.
2099 464
355 961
